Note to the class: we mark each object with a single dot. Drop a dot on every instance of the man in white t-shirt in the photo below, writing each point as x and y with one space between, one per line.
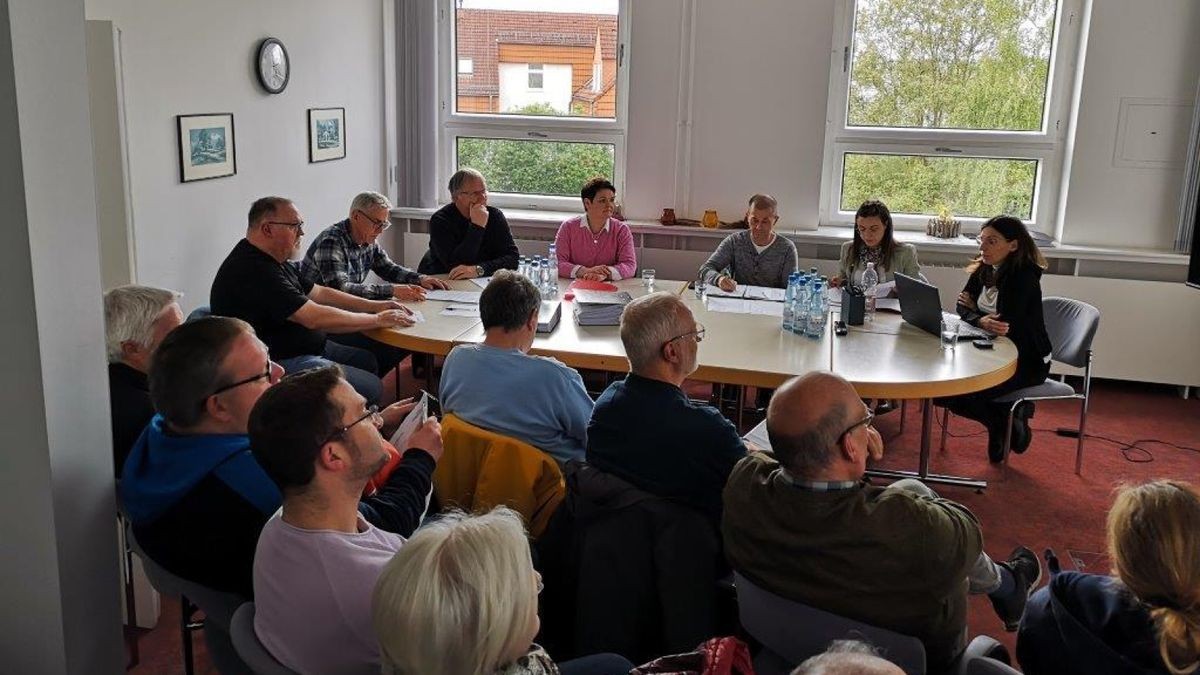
318 558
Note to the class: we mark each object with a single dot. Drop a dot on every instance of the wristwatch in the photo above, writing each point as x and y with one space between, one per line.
479 270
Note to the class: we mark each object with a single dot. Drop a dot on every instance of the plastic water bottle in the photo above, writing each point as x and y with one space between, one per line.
553 256
800 304
523 266
789 299
870 282
818 311
549 286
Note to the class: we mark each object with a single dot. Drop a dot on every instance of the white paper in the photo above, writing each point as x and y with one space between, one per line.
717 291
416 417
481 282
888 304
454 296
743 306
765 293
589 297
461 310
884 290
416 315
758 436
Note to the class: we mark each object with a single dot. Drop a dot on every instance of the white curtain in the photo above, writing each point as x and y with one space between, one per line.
416 104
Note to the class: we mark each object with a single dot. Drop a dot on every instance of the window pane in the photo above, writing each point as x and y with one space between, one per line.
537 57
536 167
967 186
951 64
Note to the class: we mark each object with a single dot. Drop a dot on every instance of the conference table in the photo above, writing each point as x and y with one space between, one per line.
886 358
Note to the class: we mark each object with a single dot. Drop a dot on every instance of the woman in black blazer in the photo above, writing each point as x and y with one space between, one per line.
1004 296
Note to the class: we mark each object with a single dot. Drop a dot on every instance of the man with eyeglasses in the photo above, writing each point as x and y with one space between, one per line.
195 495
259 283
645 429
468 238
802 522
319 556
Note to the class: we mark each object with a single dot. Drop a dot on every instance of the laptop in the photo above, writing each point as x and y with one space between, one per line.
921 305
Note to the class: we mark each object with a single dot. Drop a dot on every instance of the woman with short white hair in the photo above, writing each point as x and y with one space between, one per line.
460 598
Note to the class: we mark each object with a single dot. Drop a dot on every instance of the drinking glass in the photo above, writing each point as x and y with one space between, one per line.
701 287
949 332
648 277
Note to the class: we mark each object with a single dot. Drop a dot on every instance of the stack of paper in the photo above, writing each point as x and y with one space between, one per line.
453 296
599 308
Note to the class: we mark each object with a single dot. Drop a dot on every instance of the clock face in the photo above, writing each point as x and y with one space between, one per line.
273 66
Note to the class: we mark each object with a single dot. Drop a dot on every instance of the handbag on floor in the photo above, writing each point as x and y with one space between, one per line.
718 656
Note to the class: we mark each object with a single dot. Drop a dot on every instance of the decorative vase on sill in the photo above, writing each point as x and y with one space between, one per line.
944 226
668 217
710 220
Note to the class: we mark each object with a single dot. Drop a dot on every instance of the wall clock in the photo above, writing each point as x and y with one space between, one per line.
272 66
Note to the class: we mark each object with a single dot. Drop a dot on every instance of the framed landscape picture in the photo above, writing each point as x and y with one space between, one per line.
206 146
326 134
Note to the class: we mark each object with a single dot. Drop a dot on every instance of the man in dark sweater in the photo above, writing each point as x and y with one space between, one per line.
195 495
468 238
136 319
804 524
645 430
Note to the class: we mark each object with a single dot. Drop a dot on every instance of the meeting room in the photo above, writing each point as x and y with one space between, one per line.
601 337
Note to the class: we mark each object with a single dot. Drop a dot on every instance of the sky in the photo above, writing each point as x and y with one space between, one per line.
575 6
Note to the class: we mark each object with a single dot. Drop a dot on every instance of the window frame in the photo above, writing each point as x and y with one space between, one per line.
1046 145
453 125
530 71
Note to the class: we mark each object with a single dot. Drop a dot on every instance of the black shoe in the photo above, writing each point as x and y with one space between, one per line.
1027 574
1022 435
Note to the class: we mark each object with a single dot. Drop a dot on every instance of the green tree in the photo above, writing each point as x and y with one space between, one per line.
948 64
536 167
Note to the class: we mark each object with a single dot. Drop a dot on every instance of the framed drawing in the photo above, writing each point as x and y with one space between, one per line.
326 134
206 146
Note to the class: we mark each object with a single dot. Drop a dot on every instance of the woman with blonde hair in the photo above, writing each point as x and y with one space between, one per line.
1146 619
460 598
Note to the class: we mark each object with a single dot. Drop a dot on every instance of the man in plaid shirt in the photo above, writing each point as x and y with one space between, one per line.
342 255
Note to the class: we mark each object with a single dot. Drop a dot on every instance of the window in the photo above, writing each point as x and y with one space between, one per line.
948 104
536 76
543 107
466 67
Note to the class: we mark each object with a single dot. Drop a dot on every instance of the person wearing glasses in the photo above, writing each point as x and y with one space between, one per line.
461 596
802 522
344 254
756 255
596 245
259 284
468 238
497 385
644 428
195 495
318 557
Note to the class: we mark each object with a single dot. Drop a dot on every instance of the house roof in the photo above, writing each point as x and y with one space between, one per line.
481 31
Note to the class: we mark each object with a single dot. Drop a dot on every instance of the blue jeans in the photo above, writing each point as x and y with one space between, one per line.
358 367
596 664
386 356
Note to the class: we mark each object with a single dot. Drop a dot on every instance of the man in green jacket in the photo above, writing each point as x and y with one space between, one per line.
802 523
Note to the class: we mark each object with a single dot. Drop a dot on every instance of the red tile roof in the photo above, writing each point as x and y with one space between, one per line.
479 31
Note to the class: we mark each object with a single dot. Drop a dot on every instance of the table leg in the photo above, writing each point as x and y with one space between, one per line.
922 474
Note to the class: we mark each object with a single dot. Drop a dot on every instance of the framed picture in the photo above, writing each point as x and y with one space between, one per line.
326 134
206 146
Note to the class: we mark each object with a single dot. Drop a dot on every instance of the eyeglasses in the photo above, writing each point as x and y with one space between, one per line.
699 333
372 414
380 225
867 421
474 194
268 374
299 225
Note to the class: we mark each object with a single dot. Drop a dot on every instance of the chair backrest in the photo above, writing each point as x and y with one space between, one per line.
218 606
795 631
480 469
246 642
1071 324
199 313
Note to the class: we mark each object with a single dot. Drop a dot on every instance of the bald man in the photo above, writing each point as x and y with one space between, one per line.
804 524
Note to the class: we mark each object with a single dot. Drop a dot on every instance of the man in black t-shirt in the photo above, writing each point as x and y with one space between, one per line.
259 285
468 238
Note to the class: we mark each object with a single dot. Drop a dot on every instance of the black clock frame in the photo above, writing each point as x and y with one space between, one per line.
262 47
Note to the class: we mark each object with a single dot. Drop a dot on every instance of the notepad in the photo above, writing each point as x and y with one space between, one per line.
462 310
454 296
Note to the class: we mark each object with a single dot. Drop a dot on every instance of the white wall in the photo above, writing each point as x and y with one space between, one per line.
757 88
515 91
195 57
58 562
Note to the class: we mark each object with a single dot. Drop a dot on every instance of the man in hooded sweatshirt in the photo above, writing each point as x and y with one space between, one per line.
195 495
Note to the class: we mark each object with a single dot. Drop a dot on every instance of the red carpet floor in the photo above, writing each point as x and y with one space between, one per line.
1039 502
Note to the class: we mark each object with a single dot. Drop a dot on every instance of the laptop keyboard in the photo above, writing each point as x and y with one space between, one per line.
965 330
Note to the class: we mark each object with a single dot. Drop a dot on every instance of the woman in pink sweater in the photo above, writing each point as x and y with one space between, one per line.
596 245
